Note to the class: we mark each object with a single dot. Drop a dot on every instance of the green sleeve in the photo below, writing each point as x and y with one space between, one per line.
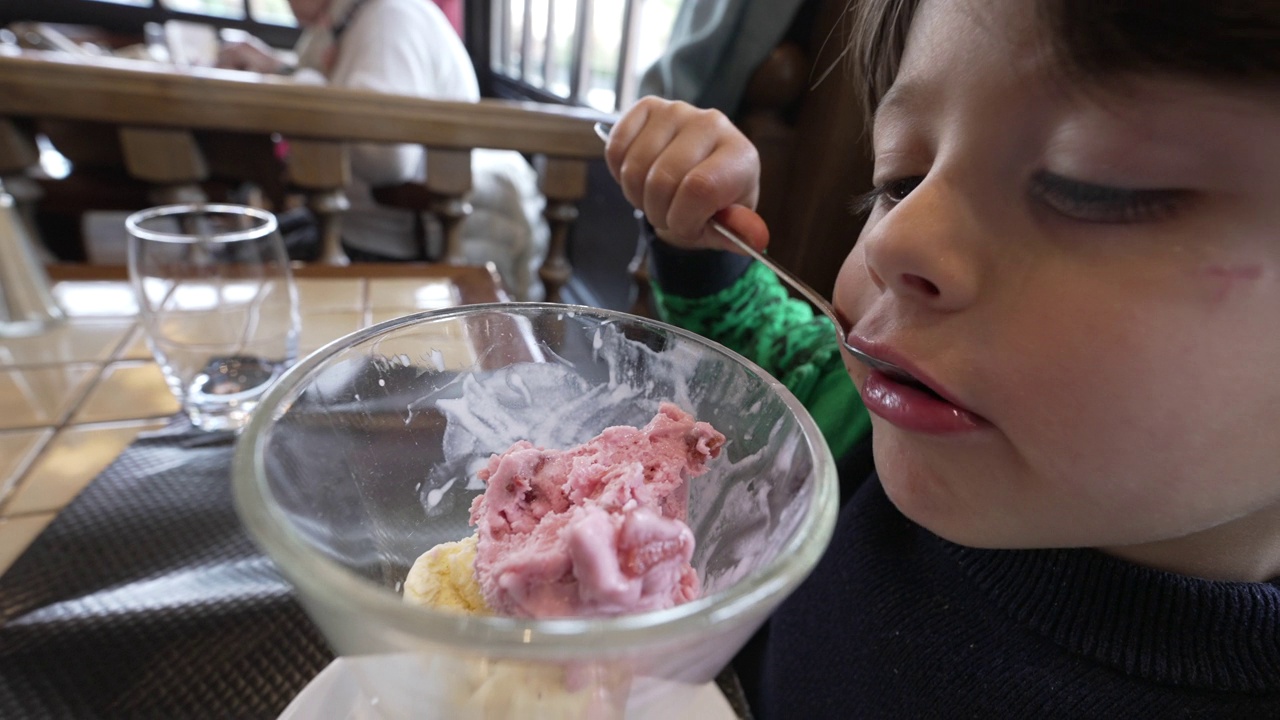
757 318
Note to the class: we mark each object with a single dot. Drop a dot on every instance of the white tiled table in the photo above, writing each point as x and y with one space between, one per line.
73 398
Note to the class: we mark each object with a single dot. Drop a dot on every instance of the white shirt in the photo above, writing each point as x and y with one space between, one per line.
408 47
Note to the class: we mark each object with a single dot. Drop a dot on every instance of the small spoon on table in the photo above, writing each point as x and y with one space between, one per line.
785 275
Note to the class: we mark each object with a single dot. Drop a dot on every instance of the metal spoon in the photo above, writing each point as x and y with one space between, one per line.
785 275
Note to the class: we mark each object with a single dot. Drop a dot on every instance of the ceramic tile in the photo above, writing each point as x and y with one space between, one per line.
77 340
134 347
105 298
411 294
16 534
127 391
323 295
72 459
320 328
17 450
35 396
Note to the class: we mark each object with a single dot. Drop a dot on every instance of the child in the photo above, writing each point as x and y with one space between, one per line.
1074 252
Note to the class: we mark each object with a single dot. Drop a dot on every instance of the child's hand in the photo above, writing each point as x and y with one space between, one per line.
681 165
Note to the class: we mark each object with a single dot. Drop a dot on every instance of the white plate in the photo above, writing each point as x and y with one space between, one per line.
337 694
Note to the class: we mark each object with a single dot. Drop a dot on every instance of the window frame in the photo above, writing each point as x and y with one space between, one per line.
480 39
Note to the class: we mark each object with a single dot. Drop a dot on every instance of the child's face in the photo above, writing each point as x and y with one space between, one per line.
1092 277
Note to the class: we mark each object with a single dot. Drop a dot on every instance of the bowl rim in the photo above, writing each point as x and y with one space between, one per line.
570 637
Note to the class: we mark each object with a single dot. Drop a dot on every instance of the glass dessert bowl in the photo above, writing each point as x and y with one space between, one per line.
364 455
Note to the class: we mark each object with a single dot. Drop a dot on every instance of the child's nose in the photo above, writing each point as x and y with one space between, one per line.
921 249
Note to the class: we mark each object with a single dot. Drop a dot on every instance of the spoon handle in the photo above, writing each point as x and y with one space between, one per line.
785 275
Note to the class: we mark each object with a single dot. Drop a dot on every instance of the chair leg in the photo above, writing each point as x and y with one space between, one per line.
556 269
329 207
452 210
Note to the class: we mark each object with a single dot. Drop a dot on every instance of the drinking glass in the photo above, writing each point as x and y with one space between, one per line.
217 303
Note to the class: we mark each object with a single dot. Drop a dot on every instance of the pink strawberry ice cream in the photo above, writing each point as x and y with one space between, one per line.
595 530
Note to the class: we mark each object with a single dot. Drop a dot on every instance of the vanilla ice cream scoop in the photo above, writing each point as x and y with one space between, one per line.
444 577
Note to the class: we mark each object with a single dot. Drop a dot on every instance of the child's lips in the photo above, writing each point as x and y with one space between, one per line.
914 401
915 406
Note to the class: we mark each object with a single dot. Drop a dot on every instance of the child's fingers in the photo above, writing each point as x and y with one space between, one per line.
643 134
680 175
651 121
642 152
741 220
727 176
679 164
623 134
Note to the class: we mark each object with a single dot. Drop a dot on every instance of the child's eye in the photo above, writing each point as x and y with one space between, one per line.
1101 203
892 193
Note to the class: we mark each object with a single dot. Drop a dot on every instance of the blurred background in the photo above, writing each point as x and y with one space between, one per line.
763 62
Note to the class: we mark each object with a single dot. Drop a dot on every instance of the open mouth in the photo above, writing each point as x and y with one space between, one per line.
910 381
909 402
889 369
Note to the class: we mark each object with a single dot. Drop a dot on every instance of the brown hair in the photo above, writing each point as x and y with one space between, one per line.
1235 40
877 39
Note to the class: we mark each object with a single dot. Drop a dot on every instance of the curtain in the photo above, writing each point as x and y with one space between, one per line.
715 47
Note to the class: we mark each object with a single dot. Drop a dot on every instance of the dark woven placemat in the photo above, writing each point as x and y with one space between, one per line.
145 598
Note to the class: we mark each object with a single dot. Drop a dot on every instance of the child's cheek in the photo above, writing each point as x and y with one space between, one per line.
1224 281
853 285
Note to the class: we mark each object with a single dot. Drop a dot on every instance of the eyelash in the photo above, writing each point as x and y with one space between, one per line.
893 192
1074 199
1088 202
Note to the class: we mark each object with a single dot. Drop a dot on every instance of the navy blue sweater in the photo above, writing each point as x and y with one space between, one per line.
898 623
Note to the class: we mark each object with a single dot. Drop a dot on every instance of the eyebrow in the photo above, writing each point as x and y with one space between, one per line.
900 98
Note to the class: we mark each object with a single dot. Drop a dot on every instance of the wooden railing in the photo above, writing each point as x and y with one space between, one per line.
159 112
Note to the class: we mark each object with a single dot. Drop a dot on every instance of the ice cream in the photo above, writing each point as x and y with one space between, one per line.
444 577
595 530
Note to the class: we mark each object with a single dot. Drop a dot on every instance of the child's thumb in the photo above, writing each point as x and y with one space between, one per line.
747 224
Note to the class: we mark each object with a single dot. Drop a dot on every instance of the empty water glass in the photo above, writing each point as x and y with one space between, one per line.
217 303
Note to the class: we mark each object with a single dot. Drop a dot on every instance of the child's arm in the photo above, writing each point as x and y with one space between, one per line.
683 165
753 314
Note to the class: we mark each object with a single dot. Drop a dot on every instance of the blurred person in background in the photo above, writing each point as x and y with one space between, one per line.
408 47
